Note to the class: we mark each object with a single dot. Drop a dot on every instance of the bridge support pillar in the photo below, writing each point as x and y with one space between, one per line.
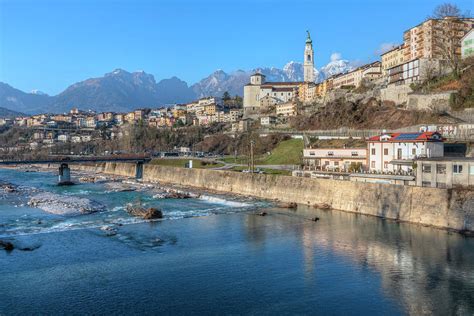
139 170
64 176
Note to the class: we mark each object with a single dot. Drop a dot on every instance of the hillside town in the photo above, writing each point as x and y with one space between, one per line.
433 49
236 158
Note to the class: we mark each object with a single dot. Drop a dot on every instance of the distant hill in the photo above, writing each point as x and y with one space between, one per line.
118 91
17 100
122 91
6 113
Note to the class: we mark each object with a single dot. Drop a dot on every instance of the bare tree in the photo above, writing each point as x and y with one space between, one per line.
448 43
445 10
447 39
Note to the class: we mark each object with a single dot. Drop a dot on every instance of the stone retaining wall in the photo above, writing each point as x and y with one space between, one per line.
443 208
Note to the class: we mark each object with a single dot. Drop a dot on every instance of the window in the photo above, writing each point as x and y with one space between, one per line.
426 168
373 151
312 153
355 153
413 151
441 185
440 168
385 164
385 151
330 153
457 169
336 163
372 164
326 163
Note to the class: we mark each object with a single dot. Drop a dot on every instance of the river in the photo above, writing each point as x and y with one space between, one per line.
213 255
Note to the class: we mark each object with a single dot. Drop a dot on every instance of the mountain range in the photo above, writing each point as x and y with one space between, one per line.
122 91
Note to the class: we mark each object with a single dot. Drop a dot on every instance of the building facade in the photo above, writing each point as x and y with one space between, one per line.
392 58
286 109
259 92
445 172
467 44
436 38
396 152
336 159
354 77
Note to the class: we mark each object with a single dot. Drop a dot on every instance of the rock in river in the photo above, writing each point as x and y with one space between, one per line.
146 213
64 205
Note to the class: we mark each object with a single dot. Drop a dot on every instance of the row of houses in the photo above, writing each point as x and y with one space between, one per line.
397 158
201 112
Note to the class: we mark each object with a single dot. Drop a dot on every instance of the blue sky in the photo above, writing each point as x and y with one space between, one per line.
48 45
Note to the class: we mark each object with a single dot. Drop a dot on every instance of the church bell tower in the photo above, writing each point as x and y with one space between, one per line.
308 60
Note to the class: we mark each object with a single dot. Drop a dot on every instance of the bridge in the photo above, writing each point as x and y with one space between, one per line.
64 175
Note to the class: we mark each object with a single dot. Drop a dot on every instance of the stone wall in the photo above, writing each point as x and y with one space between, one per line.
440 208
437 102
396 93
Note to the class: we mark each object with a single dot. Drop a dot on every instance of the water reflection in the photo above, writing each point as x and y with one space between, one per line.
427 271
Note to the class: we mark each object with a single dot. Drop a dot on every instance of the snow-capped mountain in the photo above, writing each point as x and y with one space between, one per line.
37 92
334 67
219 81
121 90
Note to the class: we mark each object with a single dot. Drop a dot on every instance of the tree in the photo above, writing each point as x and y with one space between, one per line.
445 10
447 43
226 96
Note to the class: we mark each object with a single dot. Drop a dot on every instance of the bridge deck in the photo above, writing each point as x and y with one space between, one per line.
71 160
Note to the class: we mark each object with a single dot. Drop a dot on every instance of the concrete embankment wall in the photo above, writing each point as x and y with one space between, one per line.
427 206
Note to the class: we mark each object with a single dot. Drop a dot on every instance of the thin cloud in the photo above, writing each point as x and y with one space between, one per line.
336 56
385 47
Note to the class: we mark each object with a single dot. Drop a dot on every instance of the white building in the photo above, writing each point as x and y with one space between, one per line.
335 159
467 44
259 93
267 120
63 138
396 152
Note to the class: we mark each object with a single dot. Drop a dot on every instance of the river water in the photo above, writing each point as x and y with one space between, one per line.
213 255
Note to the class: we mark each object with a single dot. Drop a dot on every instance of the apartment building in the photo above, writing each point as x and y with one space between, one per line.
395 152
354 78
307 92
286 109
431 38
392 58
467 44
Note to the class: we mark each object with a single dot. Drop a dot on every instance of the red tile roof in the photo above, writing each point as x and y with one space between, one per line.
409 137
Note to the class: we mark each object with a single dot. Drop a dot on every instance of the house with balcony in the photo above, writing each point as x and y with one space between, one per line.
335 159
396 152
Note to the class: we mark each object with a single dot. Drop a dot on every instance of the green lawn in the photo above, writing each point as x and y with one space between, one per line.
237 160
288 152
181 162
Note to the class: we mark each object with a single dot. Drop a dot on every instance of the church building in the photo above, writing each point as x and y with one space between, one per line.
259 93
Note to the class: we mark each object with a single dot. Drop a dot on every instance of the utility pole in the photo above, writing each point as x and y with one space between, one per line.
252 164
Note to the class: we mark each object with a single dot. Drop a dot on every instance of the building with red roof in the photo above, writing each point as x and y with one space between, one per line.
396 152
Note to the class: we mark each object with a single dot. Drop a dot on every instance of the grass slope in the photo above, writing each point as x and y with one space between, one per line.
288 152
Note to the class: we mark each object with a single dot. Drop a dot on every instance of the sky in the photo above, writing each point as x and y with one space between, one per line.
51 44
